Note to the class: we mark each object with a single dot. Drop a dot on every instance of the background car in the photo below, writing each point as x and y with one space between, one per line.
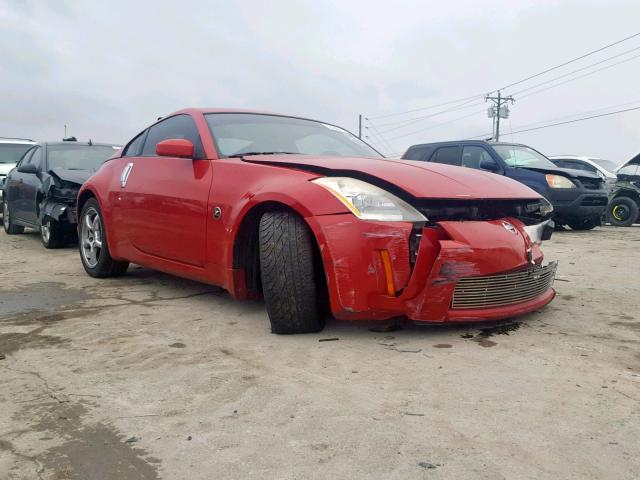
311 218
625 199
578 197
41 191
603 168
11 150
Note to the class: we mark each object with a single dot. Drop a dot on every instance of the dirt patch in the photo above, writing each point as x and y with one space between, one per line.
42 296
11 342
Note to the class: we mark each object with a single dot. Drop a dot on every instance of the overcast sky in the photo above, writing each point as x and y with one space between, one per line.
108 69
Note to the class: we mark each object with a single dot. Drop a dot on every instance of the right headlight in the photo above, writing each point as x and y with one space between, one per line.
369 202
559 181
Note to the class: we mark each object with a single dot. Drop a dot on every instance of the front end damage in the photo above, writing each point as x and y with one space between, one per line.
57 198
471 261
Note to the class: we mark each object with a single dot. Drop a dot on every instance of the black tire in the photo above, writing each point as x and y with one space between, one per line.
53 234
105 265
584 224
623 211
10 228
288 274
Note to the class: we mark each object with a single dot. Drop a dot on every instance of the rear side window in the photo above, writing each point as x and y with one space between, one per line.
179 126
447 155
417 153
135 146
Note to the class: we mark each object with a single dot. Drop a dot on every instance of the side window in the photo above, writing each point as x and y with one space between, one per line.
447 155
415 153
179 126
36 159
135 146
26 157
473 156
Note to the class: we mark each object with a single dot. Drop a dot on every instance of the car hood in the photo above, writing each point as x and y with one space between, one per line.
567 172
419 179
72 176
5 168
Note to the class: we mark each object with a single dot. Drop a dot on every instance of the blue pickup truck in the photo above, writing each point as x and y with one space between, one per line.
578 197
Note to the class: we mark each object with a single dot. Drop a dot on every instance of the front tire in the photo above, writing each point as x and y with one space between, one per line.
52 234
9 227
623 211
94 250
288 273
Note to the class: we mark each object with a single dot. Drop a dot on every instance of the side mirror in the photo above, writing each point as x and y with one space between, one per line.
175 147
28 168
489 165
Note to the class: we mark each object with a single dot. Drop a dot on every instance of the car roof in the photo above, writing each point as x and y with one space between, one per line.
76 144
470 142
17 141
204 111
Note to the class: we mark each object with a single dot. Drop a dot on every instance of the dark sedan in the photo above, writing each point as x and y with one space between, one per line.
41 191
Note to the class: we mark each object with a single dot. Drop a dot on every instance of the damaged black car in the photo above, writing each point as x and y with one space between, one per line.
41 191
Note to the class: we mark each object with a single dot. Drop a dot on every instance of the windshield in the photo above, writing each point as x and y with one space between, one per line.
78 157
521 156
247 133
606 164
12 152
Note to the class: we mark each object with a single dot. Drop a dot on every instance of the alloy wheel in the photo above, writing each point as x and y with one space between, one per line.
45 231
620 212
91 237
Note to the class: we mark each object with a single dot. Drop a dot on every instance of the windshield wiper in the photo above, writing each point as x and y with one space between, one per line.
247 154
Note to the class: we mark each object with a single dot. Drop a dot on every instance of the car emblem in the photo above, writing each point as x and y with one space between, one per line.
510 228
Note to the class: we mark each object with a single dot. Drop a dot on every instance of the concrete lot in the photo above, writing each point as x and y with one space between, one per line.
150 376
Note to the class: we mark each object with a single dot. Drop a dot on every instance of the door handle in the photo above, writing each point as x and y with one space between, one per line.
125 175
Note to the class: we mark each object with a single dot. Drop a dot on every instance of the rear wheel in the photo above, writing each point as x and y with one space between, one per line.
9 227
288 274
623 211
94 251
52 233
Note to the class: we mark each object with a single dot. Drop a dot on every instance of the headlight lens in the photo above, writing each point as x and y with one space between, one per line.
369 202
558 181
542 208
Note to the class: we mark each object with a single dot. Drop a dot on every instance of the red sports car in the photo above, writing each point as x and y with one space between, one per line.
313 219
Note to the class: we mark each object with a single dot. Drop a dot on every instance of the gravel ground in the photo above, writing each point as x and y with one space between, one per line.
154 377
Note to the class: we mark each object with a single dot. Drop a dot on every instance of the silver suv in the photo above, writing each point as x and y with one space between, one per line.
11 150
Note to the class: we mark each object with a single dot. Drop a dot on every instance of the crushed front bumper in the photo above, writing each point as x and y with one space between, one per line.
373 272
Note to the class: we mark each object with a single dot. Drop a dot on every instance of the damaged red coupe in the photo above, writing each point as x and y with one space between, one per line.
311 218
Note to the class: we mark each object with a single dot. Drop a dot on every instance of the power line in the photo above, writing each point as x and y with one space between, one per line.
436 125
411 121
479 95
577 120
570 61
578 77
582 69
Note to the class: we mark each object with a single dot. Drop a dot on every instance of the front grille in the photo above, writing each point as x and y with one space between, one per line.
592 183
594 201
505 289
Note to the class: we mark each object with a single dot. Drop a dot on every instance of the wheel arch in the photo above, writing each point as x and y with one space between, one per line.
628 192
245 256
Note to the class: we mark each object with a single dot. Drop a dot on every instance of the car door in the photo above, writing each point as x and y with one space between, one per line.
164 199
14 181
25 205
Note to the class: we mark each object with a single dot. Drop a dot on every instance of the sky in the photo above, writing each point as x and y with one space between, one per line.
109 69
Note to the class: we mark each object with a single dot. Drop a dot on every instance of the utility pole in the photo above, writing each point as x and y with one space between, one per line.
360 127
498 110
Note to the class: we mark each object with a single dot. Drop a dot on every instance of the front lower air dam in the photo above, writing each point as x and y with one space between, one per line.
462 271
